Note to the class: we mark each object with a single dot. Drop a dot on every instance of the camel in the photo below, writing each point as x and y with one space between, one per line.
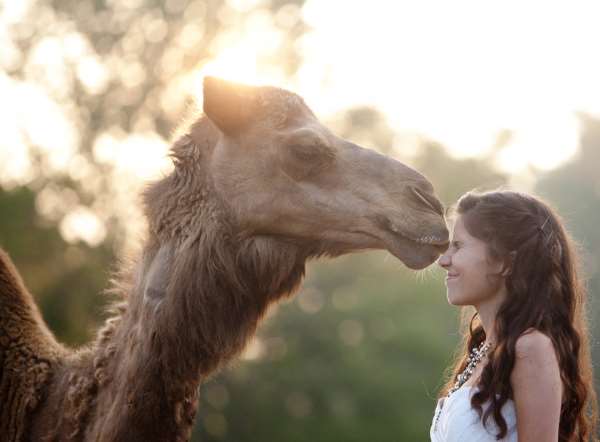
259 186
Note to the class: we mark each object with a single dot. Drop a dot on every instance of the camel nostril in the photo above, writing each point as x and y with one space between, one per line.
428 199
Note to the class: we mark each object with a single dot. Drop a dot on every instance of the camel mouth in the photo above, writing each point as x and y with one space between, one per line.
415 252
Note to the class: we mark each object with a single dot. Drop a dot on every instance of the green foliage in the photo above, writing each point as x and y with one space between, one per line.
65 278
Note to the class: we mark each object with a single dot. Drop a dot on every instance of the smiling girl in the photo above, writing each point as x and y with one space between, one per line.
525 373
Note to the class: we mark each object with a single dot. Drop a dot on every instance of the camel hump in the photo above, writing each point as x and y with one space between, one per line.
11 284
20 320
28 352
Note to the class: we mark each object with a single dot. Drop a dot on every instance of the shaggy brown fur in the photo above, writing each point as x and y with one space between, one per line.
28 353
213 262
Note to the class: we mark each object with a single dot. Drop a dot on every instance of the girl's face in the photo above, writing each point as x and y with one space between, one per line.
473 277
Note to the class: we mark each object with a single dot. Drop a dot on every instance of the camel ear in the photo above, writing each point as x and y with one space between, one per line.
158 274
227 104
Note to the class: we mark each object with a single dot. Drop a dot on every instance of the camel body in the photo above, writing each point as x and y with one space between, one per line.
226 238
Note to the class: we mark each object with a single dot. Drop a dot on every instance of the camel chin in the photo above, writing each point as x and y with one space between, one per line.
414 255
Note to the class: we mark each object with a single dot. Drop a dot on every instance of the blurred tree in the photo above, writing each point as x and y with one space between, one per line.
66 278
451 178
367 127
87 78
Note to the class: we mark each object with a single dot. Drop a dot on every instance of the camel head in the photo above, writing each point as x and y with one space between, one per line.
285 175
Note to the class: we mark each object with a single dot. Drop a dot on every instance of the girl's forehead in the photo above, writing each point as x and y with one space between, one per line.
460 232
458 227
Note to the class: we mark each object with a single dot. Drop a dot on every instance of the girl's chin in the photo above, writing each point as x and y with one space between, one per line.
455 303
457 300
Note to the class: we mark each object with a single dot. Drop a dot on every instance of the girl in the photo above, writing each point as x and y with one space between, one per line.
525 372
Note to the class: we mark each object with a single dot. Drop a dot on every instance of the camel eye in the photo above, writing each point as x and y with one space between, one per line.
303 152
302 161
311 153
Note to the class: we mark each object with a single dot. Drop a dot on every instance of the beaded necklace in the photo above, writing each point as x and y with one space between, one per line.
476 355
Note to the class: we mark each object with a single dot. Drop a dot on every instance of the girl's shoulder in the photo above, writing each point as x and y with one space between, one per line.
536 366
534 344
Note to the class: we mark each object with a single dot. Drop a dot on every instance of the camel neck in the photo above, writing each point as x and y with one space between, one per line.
217 294
218 290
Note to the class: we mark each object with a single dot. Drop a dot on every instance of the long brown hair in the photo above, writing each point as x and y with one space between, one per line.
544 293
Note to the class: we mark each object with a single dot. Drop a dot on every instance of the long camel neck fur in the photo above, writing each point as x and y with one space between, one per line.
220 284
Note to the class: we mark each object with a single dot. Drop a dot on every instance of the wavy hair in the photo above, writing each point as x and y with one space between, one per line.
544 293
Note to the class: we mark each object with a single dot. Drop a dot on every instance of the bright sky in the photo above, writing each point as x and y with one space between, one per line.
459 72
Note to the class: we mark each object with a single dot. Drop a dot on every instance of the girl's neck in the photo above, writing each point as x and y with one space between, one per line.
487 311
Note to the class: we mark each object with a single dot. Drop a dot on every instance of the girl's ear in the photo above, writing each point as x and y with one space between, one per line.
509 263
159 274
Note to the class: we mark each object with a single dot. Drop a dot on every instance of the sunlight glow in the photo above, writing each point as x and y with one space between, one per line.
254 350
460 72
31 116
82 224
143 156
245 53
540 147
235 64
13 12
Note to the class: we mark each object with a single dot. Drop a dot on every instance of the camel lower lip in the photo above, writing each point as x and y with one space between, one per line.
413 254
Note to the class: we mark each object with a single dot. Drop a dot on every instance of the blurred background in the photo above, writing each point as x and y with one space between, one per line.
473 94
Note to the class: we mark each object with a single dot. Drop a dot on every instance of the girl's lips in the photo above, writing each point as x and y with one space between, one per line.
451 277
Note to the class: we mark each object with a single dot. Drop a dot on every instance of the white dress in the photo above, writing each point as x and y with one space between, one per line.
459 422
